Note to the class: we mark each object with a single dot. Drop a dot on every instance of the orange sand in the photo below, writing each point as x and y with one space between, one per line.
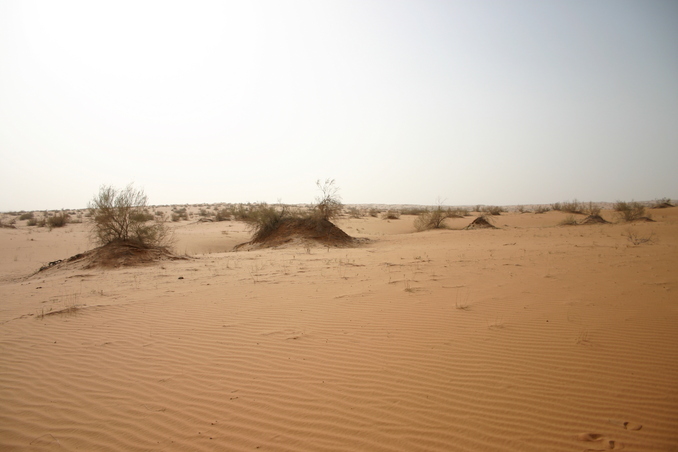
532 337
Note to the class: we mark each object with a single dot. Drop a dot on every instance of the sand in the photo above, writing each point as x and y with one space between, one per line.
530 337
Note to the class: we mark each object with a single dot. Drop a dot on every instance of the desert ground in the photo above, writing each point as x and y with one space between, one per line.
530 337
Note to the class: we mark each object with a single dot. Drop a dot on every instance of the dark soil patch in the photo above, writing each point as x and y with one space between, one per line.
114 255
594 219
481 223
304 230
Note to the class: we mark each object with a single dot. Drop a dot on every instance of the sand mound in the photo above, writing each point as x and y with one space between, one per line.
113 255
480 223
663 205
594 219
302 230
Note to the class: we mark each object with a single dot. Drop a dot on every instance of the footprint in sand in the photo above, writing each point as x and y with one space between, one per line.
606 444
632 426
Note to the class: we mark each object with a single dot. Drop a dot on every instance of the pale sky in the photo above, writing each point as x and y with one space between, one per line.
401 102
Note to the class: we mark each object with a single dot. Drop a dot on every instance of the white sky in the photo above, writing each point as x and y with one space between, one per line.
488 102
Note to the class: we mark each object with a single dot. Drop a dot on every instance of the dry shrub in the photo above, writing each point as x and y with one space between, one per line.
592 209
630 211
58 220
542 209
431 219
328 205
120 216
573 206
391 215
636 239
493 210
569 221
662 203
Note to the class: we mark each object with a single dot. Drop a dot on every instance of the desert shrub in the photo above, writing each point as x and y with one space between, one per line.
179 214
241 212
636 239
556 206
119 216
374 212
629 211
328 205
391 215
431 219
542 209
457 212
493 210
573 206
478 208
223 215
569 221
58 220
414 211
32 222
354 212
263 219
662 203
591 209
141 217
27 216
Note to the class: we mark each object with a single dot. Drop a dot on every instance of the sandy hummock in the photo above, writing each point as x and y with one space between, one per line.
527 337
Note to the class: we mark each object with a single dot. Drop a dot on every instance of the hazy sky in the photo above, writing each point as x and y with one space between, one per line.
489 102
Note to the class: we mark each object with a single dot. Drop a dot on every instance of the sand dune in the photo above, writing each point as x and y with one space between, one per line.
530 337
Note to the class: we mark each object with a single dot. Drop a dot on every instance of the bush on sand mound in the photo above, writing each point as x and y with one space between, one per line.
114 255
274 226
594 219
482 222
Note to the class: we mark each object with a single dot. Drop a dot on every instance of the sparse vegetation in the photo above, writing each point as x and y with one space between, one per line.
267 221
493 210
391 215
374 212
58 220
542 209
328 205
630 211
119 216
636 239
592 209
354 212
573 206
27 216
662 203
432 219
223 215
569 220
